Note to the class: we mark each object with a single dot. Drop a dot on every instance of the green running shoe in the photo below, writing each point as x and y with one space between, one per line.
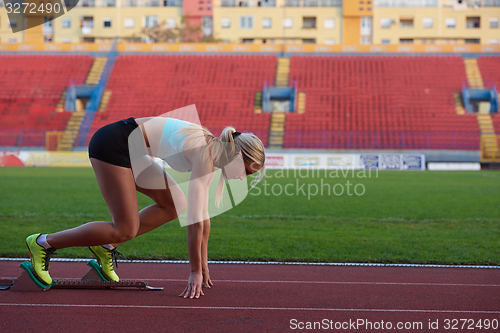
105 259
40 258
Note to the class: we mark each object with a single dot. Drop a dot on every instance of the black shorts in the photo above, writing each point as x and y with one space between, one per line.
110 143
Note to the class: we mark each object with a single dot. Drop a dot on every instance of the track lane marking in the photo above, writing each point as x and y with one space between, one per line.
318 282
239 308
344 282
286 263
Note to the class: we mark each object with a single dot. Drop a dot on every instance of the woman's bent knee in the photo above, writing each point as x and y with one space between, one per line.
125 234
180 206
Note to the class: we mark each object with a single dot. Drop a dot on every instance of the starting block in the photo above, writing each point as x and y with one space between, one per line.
94 279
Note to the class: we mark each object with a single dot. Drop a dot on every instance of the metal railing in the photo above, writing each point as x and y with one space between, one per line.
483 3
317 139
288 3
314 139
405 3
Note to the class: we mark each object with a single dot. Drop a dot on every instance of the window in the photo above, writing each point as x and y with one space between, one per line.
288 22
66 23
129 22
309 41
47 28
225 22
330 23
493 41
247 40
428 22
246 22
494 22
13 24
66 40
309 22
366 26
151 21
386 41
107 22
385 23
171 23
451 22
472 41
12 40
267 22
206 26
366 40
473 22
88 22
406 23
329 41
406 41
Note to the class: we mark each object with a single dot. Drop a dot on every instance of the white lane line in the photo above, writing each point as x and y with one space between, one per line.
270 263
318 282
343 282
238 308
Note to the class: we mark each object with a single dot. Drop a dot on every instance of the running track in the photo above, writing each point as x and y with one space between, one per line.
257 298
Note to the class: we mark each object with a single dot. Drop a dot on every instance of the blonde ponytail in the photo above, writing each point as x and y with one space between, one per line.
222 149
252 150
225 136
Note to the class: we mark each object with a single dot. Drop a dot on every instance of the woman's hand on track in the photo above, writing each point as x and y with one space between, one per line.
207 283
194 286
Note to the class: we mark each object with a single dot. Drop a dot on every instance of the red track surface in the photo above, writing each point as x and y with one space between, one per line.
258 298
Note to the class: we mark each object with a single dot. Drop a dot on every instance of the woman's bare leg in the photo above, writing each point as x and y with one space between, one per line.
119 191
169 202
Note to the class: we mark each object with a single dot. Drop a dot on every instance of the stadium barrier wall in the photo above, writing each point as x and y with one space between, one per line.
273 161
44 158
243 48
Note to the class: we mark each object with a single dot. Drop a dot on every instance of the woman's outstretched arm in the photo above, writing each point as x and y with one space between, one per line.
197 213
207 282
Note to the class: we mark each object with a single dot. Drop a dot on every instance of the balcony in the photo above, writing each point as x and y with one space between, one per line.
405 3
90 3
151 3
313 3
248 3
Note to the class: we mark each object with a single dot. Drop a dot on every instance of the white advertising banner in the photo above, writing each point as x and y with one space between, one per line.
454 166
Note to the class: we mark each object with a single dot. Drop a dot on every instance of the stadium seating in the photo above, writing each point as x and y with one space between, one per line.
223 88
362 102
32 86
352 102
490 71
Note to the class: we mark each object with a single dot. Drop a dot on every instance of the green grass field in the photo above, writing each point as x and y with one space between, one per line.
402 217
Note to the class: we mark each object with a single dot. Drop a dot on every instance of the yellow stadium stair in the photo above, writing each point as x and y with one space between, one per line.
459 107
60 104
473 74
69 135
257 104
301 102
105 100
488 137
489 144
277 127
277 130
96 70
282 72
